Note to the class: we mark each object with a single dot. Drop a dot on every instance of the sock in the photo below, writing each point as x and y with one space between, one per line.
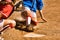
28 21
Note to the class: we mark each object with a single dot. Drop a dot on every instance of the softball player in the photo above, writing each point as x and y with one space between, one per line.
31 6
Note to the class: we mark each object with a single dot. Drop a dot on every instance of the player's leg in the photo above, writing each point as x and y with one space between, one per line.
33 9
27 4
39 8
34 18
9 22
28 18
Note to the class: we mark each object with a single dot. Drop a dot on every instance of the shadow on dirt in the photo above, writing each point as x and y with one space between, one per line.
22 26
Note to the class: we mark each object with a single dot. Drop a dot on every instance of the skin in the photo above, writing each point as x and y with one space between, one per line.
32 18
0 15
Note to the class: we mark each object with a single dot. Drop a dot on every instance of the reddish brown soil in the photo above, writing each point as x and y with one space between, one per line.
51 28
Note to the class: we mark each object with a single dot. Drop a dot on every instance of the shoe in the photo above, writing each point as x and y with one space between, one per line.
29 28
11 26
34 22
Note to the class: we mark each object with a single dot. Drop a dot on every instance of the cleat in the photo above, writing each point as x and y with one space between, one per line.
11 26
34 22
29 28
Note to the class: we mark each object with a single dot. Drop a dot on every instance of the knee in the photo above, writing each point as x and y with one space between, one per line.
33 14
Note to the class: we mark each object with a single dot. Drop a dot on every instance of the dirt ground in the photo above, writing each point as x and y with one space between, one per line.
51 28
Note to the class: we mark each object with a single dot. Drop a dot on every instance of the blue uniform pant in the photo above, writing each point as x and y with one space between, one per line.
33 5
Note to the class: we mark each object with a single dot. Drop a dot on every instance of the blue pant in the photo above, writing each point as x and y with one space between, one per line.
33 4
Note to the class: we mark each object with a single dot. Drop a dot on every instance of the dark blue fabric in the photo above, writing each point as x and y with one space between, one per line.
33 4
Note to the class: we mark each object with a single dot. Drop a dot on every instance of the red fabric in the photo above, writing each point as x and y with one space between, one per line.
6 10
11 26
